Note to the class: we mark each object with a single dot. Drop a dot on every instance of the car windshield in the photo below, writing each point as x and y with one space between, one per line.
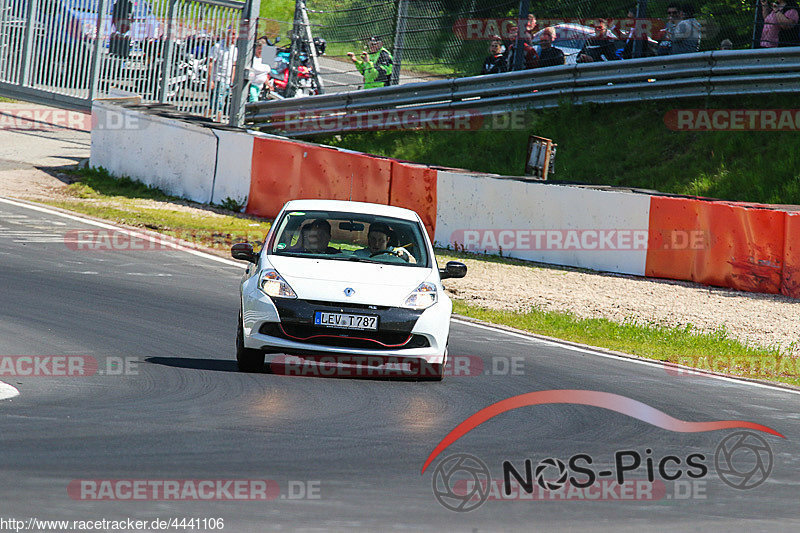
351 237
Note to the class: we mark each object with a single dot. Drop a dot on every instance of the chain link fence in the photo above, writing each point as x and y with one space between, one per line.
450 38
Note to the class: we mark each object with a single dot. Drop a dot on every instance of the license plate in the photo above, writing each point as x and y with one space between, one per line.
345 320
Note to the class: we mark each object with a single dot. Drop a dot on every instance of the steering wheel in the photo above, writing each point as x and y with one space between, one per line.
383 252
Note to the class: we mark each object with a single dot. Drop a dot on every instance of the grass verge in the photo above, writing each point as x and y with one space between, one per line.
128 202
705 351
97 194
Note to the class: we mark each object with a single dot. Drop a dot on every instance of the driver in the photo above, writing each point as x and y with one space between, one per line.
378 239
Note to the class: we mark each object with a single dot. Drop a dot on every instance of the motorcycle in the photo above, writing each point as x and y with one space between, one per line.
306 81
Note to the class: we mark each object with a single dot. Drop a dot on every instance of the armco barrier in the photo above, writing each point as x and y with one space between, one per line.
721 244
790 279
283 170
415 187
173 155
582 227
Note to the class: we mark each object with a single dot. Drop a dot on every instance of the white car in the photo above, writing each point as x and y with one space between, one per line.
336 277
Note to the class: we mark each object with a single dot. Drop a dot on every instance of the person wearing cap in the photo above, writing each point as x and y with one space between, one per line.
379 238
375 65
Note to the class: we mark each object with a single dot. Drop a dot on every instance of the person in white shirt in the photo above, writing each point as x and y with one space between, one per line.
222 69
258 73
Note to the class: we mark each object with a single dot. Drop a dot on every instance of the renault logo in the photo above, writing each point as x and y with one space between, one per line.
349 292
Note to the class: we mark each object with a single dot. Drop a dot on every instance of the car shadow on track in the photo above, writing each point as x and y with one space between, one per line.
217 365
298 367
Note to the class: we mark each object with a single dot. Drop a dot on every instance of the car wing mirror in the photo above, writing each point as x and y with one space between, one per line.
244 251
453 269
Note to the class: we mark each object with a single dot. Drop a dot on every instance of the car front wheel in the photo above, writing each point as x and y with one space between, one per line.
247 359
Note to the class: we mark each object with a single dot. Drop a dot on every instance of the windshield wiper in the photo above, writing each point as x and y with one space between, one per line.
363 260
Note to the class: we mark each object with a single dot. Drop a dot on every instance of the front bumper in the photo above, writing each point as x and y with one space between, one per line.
287 326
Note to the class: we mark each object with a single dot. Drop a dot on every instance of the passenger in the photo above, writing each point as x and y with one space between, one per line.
379 240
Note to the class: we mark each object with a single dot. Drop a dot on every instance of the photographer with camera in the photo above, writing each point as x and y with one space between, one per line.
375 65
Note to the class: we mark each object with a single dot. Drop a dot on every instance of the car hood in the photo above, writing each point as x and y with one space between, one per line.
325 279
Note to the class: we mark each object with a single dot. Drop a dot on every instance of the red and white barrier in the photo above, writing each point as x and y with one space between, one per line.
743 246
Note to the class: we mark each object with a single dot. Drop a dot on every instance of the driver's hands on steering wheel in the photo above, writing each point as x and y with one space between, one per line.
402 253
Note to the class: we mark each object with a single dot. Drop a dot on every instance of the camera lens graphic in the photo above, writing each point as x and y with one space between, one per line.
461 482
743 460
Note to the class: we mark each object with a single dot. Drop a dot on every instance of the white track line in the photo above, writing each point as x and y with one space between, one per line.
528 337
629 359
7 391
132 233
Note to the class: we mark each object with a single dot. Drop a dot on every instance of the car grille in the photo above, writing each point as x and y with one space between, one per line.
371 340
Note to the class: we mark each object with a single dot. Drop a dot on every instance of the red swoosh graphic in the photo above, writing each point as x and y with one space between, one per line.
606 400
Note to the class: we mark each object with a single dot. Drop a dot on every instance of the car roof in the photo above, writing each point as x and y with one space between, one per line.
351 207
578 28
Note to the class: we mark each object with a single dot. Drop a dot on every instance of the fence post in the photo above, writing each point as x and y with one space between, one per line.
399 40
94 72
519 49
244 45
757 34
27 44
169 52
640 41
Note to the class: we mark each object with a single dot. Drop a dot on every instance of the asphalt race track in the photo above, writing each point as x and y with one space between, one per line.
181 411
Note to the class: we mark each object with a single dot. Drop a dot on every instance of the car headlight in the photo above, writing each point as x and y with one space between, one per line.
272 284
423 297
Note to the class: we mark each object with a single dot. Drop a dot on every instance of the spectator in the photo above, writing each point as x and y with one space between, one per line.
780 24
222 69
549 56
495 62
121 15
258 73
530 29
686 35
726 44
531 58
602 47
633 35
673 17
375 65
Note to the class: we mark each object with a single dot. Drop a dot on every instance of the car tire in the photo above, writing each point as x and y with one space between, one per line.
247 359
437 369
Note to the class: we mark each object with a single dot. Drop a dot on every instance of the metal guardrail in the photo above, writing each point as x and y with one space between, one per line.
718 73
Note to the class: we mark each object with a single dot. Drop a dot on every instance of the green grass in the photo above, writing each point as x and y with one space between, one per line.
97 194
625 145
5 100
282 10
126 202
708 351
